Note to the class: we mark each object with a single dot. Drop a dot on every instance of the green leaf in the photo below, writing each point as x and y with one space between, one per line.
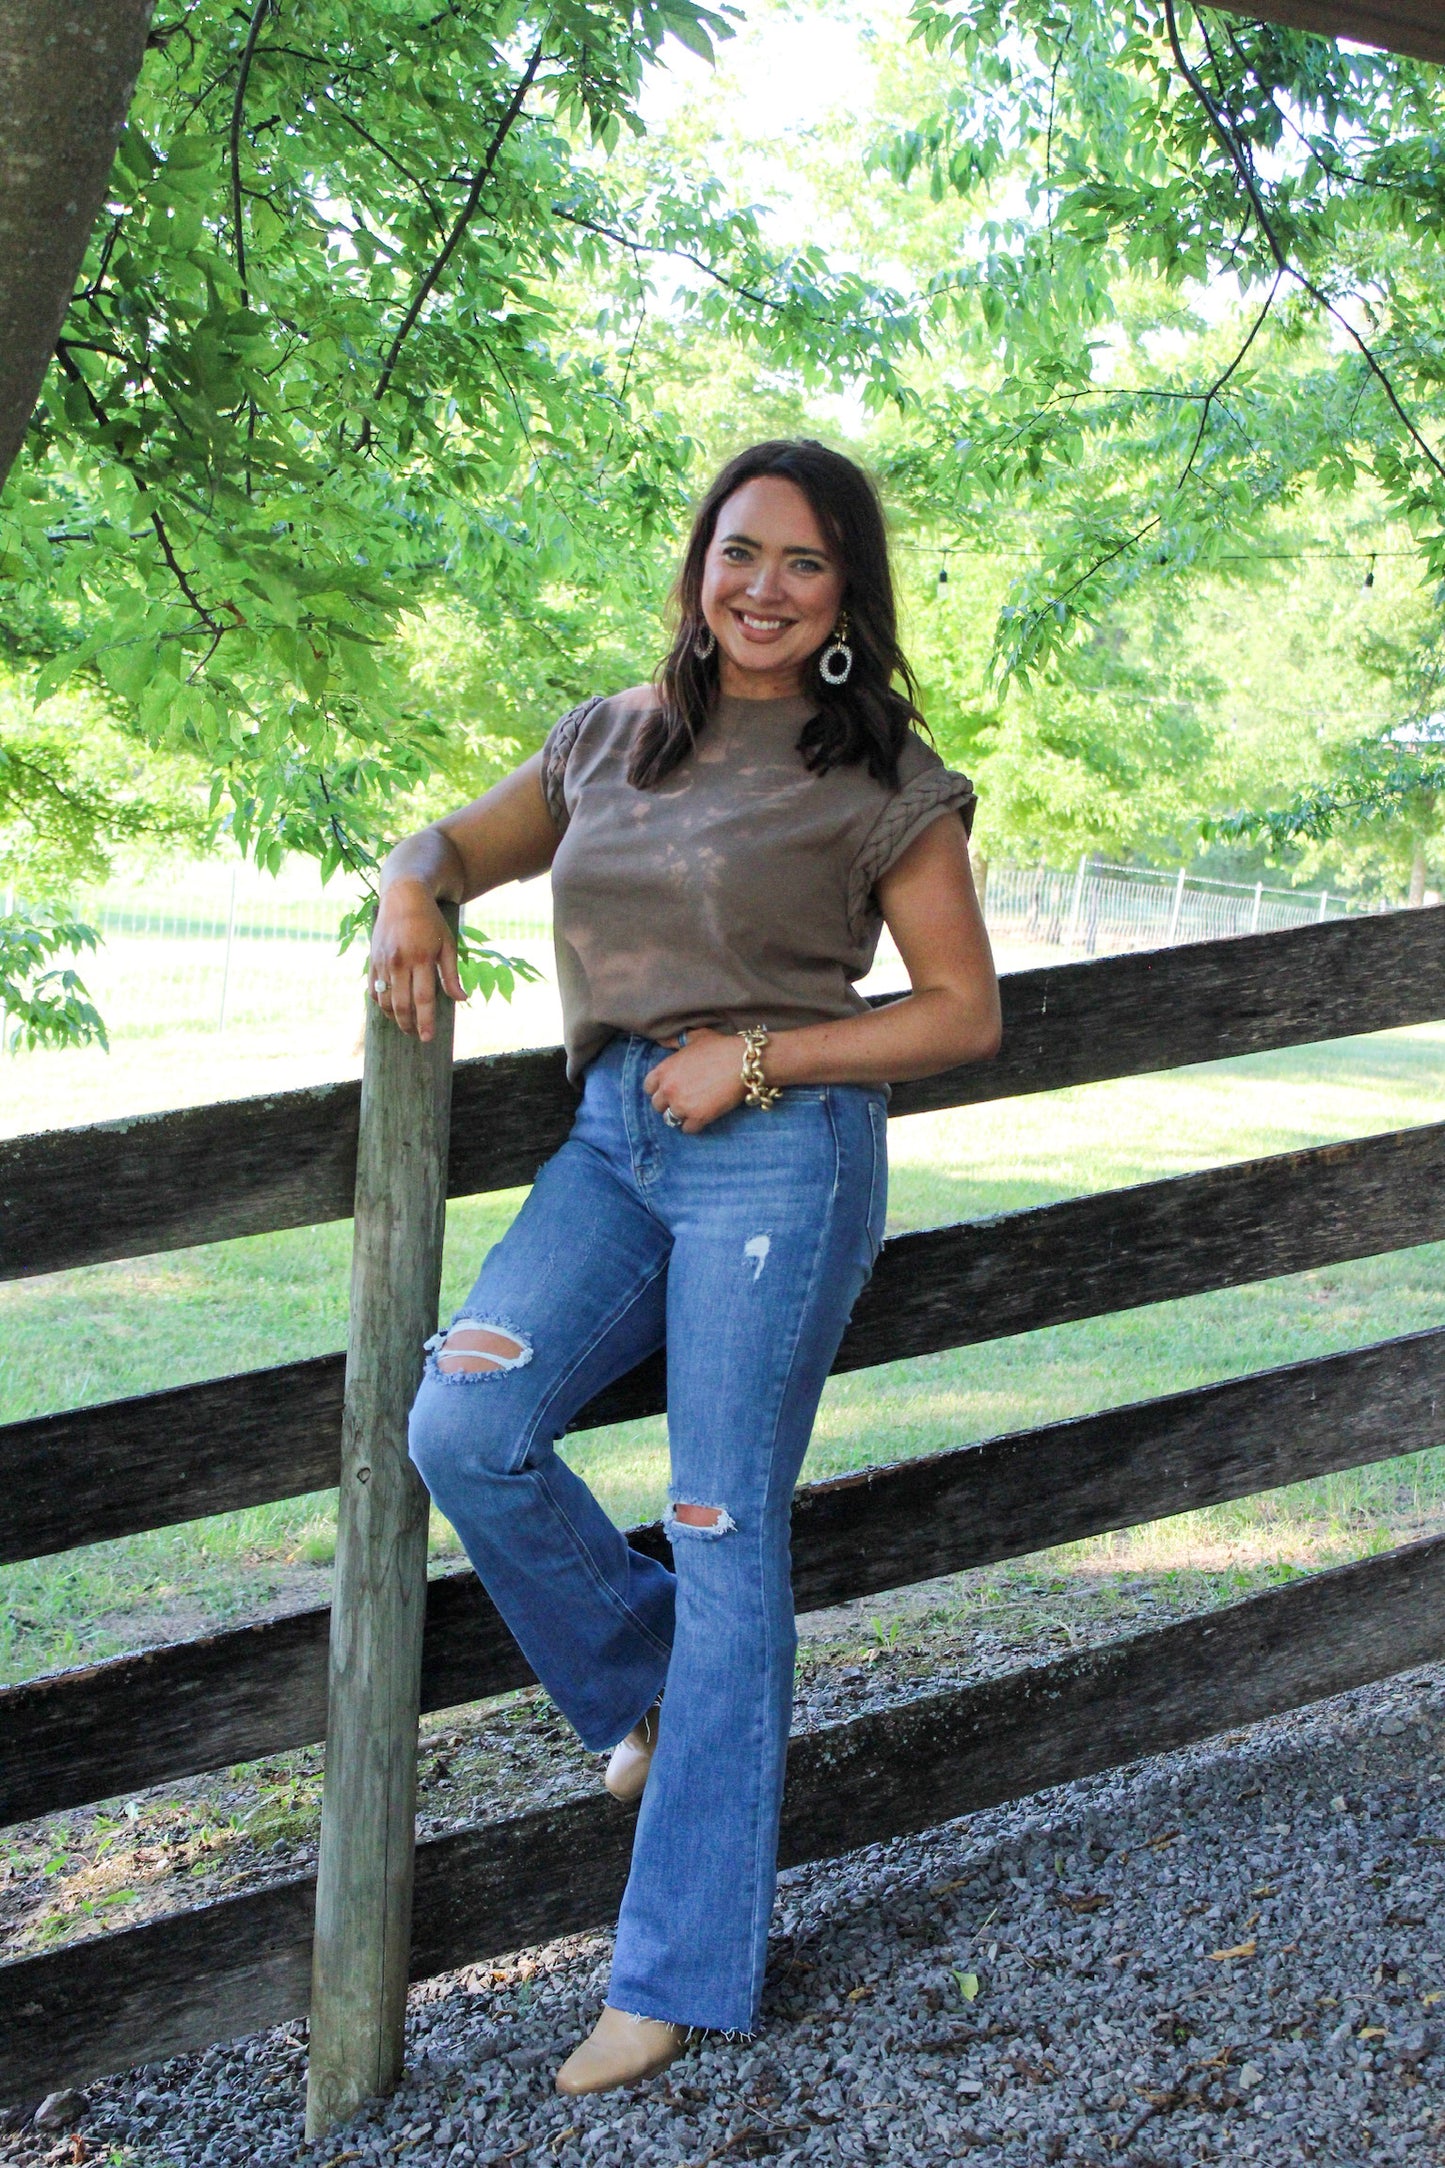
41 1006
689 30
486 971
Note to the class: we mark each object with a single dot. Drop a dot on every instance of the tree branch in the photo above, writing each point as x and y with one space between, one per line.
382 152
1220 381
1049 147
238 106
1234 151
77 376
661 248
1206 399
459 226
212 624
102 269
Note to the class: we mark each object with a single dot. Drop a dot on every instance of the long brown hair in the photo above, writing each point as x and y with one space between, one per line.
865 720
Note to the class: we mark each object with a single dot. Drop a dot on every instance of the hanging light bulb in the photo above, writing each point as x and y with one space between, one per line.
943 574
1370 575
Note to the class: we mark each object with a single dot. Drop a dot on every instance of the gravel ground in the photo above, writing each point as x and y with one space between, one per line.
1233 1953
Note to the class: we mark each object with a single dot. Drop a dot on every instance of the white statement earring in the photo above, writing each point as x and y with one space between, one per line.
836 660
704 642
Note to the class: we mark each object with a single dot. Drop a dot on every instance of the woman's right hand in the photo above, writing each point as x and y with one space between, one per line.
411 948
507 834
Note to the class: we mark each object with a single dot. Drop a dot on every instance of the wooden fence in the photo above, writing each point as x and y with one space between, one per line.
163 1182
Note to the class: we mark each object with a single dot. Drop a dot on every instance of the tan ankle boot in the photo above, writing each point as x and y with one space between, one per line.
621 2050
632 1757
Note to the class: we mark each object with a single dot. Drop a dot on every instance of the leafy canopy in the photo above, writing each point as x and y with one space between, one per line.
1200 277
374 416
324 371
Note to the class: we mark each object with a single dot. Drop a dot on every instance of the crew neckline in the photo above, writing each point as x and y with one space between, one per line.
790 712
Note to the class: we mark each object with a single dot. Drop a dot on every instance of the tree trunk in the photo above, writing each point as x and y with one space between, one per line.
68 70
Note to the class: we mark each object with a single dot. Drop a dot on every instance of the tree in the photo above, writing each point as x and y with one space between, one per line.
1228 672
1116 165
322 372
1385 788
375 408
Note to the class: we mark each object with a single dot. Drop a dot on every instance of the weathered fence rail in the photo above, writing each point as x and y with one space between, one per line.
212 1173
253 1166
244 1962
159 1458
83 1735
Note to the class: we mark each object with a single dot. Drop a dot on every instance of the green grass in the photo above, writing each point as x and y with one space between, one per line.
81 1337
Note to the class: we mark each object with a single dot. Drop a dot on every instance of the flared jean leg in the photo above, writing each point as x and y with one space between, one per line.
579 1282
776 1218
744 1247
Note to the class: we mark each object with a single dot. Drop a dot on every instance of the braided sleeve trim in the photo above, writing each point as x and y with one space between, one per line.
906 815
555 753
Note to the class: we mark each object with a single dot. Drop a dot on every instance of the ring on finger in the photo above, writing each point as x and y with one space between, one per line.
673 1121
379 986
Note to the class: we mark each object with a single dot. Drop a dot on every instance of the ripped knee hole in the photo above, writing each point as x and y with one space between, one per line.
706 1520
467 1348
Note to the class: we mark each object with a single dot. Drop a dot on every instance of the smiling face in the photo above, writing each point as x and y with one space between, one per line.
771 589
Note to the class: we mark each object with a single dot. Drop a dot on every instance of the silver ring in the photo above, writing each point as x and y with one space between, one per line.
379 986
673 1121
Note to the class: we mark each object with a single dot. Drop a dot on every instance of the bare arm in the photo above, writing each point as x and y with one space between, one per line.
950 1015
505 835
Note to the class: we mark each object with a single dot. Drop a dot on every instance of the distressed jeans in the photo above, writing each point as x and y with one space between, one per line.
742 1249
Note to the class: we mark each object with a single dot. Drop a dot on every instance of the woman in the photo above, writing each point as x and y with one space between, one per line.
725 848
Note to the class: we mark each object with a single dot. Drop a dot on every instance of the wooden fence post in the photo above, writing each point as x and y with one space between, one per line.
368 1816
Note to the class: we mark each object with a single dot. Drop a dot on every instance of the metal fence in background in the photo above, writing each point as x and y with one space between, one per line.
242 959
218 948
1100 909
228 949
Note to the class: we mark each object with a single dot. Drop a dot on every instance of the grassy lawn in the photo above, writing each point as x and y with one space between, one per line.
91 1335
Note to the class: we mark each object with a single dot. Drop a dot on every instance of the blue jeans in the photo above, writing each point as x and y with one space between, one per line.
742 1249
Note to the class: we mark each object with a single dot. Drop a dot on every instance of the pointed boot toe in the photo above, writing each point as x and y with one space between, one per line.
621 2050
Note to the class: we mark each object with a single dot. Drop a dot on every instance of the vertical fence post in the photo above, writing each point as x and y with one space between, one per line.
226 959
1076 909
1178 911
368 1815
1324 904
1258 905
7 907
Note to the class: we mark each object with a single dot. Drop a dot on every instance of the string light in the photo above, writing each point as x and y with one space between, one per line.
1229 557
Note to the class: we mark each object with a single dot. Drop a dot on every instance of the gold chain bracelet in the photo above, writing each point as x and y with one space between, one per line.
757 1091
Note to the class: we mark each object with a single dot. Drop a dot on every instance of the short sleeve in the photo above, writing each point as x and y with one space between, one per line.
914 806
556 750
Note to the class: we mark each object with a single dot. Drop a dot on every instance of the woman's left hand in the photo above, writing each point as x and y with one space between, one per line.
702 1080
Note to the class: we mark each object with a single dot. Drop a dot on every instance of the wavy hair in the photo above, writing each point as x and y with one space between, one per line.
867 719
